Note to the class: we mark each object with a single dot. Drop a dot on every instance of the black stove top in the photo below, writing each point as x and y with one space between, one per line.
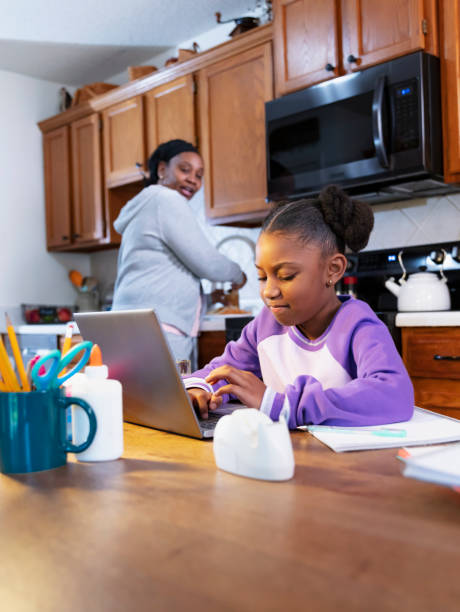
372 268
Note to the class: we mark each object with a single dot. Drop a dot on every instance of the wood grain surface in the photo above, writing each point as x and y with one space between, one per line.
163 529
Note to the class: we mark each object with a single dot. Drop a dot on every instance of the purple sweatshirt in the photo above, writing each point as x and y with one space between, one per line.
351 375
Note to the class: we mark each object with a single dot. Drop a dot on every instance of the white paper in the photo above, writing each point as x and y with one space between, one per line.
439 465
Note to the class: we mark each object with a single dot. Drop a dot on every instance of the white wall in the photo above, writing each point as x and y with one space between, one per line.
29 274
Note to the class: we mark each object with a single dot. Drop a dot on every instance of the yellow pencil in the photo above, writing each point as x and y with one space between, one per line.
17 354
67 339
7 371
67 343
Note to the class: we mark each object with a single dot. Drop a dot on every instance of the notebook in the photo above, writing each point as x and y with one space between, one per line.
425 427
438 464
137 354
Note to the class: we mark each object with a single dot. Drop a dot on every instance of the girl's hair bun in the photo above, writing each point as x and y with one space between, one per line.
350 220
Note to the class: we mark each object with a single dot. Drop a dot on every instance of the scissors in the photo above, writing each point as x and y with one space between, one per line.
51 379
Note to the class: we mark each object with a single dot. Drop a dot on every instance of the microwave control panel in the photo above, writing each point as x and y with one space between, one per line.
405 103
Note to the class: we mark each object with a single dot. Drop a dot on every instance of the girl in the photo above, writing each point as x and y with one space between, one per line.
310 355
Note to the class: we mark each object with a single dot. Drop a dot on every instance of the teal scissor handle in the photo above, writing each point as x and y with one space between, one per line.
52 380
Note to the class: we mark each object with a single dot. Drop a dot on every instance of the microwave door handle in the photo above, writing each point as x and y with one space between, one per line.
377 122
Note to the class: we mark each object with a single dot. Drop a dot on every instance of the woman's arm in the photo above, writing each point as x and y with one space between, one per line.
182 234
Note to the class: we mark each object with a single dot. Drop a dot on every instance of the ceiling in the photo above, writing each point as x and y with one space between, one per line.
74 42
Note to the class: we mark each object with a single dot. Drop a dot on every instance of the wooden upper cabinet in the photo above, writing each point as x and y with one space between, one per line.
88 210
123 126
56 153
316 41
170 112
232 94
306 43
449 12
375 32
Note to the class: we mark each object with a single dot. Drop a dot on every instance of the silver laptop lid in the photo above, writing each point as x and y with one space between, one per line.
137 354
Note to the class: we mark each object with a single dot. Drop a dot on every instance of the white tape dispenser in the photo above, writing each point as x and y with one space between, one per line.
248 443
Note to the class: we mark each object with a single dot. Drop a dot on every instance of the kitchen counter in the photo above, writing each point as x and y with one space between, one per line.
163 529
441 318
209 323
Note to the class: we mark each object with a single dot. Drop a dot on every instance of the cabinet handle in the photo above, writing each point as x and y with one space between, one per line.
351 59
329 67
64 237
76 236
446 357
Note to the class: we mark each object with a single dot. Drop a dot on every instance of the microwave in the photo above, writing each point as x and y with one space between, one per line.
376 133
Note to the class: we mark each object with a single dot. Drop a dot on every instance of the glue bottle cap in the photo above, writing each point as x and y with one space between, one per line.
96 369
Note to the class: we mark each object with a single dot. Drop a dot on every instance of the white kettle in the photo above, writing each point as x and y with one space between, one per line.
422 291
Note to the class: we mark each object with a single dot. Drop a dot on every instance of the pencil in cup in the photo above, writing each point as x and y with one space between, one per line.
17 354
67 343
9 378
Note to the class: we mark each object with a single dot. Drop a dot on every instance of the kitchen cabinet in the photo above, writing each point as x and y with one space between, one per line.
232 94
124 144
449 24
432 358
88 208
56 157
170 112
73 185
228 116
315 41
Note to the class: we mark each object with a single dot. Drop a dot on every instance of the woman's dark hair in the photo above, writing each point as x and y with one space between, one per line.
332 220
165 152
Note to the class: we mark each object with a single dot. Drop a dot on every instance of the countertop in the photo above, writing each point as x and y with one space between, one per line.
444 318
217 322
163 529
209 323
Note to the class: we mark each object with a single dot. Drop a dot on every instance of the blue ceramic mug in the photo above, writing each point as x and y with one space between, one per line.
33 430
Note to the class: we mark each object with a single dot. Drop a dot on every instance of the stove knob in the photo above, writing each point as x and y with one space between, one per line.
456 254
437 256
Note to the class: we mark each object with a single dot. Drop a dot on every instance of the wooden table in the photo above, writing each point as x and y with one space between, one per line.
163 529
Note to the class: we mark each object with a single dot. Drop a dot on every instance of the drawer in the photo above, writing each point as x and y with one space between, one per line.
425 350
438 394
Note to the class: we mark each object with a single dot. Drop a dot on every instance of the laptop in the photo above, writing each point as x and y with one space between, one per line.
137 354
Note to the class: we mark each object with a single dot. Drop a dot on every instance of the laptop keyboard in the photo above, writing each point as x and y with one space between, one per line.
210 422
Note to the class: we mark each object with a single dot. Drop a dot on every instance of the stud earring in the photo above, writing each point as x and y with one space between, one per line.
329 283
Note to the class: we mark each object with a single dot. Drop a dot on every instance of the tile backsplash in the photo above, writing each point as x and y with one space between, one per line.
398 224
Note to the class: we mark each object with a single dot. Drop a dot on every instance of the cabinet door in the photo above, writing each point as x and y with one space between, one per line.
56 153
88 211
449 11
431 356
170 113
123 142
305 43
232 94
374 32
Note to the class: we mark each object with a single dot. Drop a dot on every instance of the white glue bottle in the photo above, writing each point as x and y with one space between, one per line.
104 395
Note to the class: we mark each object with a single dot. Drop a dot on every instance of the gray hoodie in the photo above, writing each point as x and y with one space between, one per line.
163 255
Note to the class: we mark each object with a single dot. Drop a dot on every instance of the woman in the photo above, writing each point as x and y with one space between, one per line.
164 252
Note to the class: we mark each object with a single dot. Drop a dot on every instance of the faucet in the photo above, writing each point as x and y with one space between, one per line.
237 237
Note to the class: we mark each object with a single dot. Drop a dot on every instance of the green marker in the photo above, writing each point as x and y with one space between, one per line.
386 432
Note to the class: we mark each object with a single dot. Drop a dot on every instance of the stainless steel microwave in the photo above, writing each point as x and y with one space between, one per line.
376 133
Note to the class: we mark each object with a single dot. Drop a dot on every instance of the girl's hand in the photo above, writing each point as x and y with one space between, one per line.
203 401
246 386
